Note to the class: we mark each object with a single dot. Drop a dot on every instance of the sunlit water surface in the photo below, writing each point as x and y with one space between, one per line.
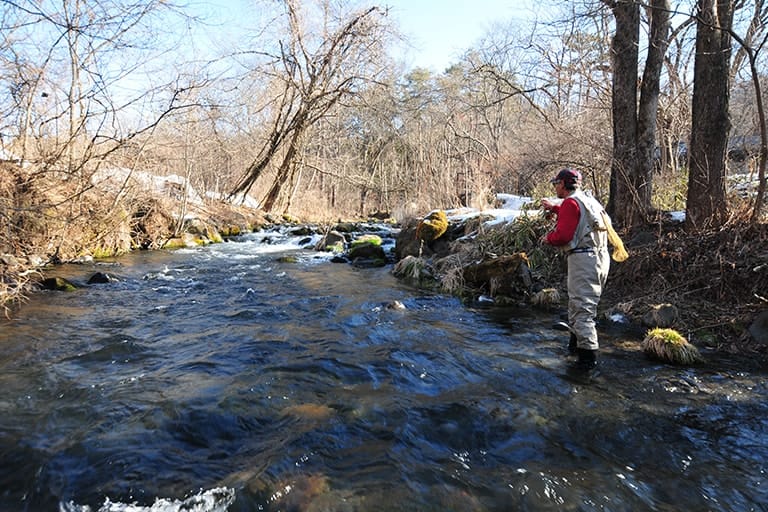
223 379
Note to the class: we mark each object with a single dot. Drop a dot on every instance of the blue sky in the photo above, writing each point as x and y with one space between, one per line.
440 30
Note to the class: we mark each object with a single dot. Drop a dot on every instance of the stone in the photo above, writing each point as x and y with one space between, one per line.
507 275
57 284
433 226
661 315
331 241
367 239
101 278
759 328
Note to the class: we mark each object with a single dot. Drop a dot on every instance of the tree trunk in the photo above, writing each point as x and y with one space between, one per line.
648 108
284 172
706 205
624 50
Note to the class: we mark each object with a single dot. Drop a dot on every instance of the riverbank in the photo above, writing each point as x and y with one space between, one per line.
715 280
711 285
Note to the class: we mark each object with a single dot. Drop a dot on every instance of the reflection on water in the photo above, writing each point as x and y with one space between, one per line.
221 379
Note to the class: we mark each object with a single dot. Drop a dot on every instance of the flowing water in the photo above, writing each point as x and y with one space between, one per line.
223 378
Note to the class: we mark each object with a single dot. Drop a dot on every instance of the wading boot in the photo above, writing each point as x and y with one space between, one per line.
572 345
586 360
562 326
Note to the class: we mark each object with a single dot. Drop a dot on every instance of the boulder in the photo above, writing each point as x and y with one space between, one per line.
367 255
58 284
346 227
433 226
409 243
507 275
367 239
661 315
333 241
301 231
203 229
101 278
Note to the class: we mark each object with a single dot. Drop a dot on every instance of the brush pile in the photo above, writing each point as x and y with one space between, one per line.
717 279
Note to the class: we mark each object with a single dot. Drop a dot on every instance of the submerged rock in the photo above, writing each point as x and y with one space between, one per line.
367 255
101 278
58 284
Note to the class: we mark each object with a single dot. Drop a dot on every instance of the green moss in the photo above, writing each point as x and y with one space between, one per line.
102 253
213 235
231 230
174 243
336 248
433 226
670 346
58 284
667 335
367 239
287 259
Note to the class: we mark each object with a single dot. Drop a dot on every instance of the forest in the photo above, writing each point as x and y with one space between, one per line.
309 113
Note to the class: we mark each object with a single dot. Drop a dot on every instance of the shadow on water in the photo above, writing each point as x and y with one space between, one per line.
221 379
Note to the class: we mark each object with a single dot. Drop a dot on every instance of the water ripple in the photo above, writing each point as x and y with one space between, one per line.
218 378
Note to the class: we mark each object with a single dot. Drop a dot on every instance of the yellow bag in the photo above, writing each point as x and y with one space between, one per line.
619 252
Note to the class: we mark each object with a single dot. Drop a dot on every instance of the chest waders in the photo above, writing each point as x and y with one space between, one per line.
588 265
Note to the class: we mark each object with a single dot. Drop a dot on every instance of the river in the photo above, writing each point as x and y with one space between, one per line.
224 378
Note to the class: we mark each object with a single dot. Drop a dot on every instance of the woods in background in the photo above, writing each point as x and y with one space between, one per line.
310 114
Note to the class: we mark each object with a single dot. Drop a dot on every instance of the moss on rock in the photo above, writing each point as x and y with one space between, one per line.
433 226
58 284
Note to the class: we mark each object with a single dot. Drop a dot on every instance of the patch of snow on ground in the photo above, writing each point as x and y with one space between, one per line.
510 208
677 216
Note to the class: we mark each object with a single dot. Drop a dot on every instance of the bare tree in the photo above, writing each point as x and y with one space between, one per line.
69 70
314 75
750 46
634 122
624 51
706 203
70 64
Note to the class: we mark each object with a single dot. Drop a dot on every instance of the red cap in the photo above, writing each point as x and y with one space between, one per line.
569 177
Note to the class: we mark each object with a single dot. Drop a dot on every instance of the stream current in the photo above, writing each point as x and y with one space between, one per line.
223 378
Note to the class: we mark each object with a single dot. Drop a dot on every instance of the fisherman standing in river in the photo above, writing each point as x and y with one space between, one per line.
581 234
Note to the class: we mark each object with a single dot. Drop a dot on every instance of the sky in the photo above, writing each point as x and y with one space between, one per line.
439 31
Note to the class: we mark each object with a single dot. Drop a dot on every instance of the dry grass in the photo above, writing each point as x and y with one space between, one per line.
414 269
717 279
670 346
546 298
521 235
48 217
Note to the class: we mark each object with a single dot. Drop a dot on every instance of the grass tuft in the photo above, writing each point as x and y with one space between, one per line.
670 346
